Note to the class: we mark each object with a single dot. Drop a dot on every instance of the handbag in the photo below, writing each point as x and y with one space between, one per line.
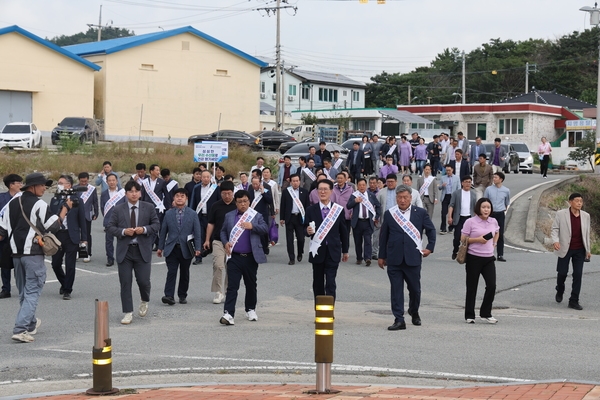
47 241
274 231
461 256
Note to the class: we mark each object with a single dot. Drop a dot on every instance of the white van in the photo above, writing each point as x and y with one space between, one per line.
302 132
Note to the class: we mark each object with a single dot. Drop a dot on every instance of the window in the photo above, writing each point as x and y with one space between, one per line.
262 86
355 96
148 67
514 126
185 45
305 92
221 72
328 95
344 93
474 130
292 90
574 138
364 125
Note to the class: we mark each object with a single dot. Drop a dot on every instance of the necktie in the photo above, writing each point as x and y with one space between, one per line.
324 212
133 221
364 211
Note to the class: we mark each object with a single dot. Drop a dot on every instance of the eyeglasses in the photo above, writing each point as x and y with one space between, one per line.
242 201
323 189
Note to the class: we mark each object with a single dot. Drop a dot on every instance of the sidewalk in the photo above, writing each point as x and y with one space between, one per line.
540 391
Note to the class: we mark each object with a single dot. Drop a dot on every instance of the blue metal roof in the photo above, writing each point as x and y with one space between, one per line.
124 43
50 45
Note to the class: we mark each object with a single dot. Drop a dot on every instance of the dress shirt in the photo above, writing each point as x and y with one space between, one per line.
499 196
447 190
544 149
243 245
295 209
152 183
137 218
451 151
475 227
391 199
405 213
465 203
203 191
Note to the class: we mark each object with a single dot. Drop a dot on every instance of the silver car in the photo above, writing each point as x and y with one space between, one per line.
525 157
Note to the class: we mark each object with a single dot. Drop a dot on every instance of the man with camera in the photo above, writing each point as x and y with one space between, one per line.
89 200
72 234
26 246
13 182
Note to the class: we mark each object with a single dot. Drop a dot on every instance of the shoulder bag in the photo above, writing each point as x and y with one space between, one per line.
461 256
47 241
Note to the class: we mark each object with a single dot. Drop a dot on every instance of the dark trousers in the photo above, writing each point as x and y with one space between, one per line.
457 228
176 261
161 217
398 274
203 224
133 263
363 231
5 272
109 246
68 251
88 226
544 164
348 228
500 217
324 275
294 227
562 268
485 267
435 165
238 267
445 205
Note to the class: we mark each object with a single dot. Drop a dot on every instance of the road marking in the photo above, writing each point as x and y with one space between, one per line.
290 365
19 381
84 270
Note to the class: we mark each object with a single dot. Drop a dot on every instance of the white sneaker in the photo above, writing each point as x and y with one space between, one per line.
490 320
251 314
87 259
37 325
143 308
218 298
226 319
127 318
470 321
24 337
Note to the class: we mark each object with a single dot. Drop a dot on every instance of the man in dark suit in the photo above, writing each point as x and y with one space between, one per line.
363 220
72 233
204 195
89 202
403 255
140 173
246 250
355 161
179 223
459 165
111 196
264 205
332 246
135 224
294 202
158 186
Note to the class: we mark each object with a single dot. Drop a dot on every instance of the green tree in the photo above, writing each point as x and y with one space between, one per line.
309 119
91 35
586 150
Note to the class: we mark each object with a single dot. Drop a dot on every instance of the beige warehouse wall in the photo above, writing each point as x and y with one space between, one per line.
182 91
61 86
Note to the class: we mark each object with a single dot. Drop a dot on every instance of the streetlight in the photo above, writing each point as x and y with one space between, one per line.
459 95
595 21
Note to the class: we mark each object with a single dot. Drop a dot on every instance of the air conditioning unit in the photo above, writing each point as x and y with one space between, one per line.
274 97
263 95
291 98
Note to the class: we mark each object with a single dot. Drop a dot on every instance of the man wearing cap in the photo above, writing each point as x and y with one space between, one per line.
179 223
13 183
28 255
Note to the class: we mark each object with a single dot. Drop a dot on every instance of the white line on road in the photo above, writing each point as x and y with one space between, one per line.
85 270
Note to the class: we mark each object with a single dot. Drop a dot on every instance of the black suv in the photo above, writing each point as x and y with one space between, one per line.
84 128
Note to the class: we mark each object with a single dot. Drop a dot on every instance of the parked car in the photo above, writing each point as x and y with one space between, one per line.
85 129
525 157
228 135
512 162
20 134
288 145
301 149
271 140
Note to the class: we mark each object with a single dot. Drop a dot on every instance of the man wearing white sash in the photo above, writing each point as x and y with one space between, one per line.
307 176
329 169
154 190
108 199
261 199
427 185
337 161
204 195
294 202
401 249
325 224
14 183
89 199
365 211
241 233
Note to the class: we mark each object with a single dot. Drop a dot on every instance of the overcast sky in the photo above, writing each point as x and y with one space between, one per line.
341 36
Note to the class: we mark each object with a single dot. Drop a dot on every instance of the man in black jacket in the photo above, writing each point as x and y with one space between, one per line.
294 201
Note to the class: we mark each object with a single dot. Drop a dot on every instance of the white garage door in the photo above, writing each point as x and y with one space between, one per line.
15 107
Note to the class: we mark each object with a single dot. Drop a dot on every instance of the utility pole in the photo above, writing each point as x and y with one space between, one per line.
527 69
99 26
278 81
464 90
409 95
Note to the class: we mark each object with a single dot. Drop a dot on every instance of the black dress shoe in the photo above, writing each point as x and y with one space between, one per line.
500 258
454 256
4 294
397 326
110 263
575 305
197 262
291 262
416 319
558 297
168 300
67 296
61 291
182 300
299 257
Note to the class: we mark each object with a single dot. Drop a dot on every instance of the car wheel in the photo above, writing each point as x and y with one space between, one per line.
40 143
530 172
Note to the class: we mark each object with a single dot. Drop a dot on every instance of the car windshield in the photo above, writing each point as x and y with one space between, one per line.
77 122
16 129
520 147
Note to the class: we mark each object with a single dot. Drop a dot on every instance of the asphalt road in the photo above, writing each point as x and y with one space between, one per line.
535 339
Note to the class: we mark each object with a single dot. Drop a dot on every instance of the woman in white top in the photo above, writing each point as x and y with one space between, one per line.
544 151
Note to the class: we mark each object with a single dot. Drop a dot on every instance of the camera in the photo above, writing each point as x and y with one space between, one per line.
64 194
